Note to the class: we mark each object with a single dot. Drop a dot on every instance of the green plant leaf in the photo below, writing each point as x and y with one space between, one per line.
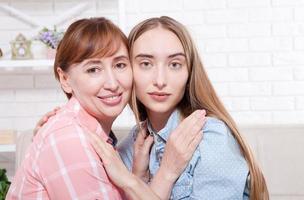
4 184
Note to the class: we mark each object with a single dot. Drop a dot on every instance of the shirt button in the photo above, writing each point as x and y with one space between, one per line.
158 139
159 156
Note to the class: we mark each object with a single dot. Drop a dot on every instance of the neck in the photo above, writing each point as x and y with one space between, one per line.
106 125
158 120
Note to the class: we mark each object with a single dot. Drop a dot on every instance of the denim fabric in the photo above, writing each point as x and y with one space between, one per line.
217 169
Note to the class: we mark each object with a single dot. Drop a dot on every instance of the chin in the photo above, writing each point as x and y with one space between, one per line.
113 112
160 109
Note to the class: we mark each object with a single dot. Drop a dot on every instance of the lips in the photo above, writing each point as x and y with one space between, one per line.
112 99
159 96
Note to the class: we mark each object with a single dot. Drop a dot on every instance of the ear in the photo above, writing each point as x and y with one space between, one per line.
64 80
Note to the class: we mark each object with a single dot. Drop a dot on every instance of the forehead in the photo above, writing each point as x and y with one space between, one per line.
120 53
158 42
119 49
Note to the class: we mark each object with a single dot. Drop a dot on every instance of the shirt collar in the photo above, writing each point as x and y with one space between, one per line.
88 121
171 124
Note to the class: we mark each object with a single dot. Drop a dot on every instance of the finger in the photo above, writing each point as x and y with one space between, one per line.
195 117
141 136
99 146
195 125
57 108
148 144
52 113
36 129
188 123
194 143
195 131
40 122
44 119
189 133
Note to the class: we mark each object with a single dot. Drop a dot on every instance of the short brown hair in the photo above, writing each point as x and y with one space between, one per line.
88 38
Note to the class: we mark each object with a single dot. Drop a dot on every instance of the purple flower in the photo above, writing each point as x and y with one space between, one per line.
50 37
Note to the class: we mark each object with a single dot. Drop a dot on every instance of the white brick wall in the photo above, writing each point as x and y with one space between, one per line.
253 52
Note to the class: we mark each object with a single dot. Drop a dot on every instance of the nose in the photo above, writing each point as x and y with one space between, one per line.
160 77
111 82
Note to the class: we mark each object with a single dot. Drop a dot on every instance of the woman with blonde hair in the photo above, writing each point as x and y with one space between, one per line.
170 83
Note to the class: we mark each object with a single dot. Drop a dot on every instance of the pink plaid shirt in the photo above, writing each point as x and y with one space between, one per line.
61 164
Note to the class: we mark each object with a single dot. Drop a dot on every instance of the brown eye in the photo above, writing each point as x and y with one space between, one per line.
175 65
120 65
93 70
145 64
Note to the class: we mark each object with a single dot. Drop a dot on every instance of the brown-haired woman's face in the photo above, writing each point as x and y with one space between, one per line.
159 69
101 85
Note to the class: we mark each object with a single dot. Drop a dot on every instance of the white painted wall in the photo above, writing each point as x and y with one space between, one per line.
253 52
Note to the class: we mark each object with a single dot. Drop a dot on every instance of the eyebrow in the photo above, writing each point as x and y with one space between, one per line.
151 56
98 61
177 54
91 61
144 56
121 57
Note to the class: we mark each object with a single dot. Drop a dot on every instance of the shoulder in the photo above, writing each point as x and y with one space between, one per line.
61 122
63 132
215 125
216 130
218 138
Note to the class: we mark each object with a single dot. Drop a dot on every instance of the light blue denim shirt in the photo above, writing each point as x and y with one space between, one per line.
217 169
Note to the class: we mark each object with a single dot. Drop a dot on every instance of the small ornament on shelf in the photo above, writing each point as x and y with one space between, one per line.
21 48
51 39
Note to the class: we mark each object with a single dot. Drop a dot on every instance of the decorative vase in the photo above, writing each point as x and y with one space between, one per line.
51 53
39 50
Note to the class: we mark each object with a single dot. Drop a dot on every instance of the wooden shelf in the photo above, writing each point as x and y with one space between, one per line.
10 64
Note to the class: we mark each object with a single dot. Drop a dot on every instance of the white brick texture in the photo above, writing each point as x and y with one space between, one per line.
273 103
204 4
249 59
248 3
253 52
270 74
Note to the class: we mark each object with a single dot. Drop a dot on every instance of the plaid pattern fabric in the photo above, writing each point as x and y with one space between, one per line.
61 163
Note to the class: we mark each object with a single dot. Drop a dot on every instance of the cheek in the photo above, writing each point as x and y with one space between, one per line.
141 82
142 77
87 85
180 85
126 79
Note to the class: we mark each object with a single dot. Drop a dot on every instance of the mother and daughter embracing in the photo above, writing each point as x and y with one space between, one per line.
185 144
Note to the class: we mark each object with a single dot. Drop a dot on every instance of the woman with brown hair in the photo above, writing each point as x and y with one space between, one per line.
93 68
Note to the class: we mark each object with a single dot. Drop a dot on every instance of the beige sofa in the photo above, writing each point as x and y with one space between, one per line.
279 150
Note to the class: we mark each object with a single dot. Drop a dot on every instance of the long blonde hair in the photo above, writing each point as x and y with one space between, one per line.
199 94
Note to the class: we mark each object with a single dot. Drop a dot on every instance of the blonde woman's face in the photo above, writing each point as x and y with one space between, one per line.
159 70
